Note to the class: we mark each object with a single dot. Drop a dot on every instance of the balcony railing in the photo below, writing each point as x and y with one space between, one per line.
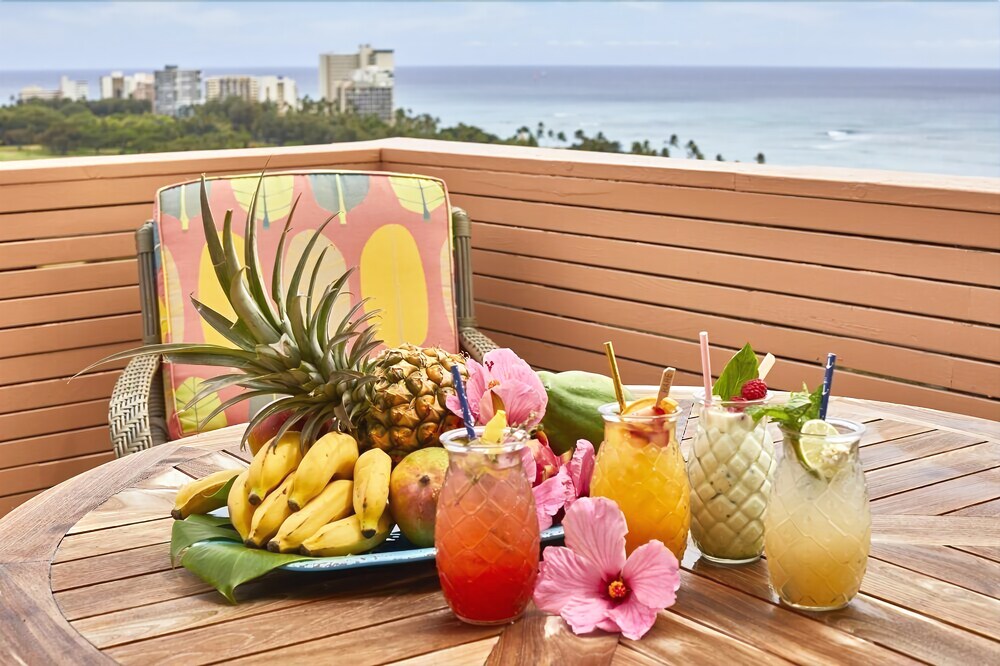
897 273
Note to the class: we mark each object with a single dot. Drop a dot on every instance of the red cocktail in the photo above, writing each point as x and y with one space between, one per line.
486 531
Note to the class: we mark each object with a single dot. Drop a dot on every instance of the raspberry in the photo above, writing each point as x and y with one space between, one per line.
755 389
737 404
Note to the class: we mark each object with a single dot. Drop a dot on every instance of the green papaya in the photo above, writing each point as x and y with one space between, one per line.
571 414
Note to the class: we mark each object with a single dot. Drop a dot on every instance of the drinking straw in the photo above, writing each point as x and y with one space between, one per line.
765 366
706 367
464 401
831 360
609 349
666 381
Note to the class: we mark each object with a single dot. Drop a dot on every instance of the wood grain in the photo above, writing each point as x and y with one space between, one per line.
546 639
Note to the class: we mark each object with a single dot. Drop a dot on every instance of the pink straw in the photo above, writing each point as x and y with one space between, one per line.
706 367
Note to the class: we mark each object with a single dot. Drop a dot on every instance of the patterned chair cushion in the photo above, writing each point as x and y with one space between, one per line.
395 228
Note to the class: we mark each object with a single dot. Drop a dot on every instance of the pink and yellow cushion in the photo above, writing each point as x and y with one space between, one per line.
395 228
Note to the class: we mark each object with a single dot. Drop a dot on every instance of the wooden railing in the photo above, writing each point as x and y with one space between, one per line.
897 273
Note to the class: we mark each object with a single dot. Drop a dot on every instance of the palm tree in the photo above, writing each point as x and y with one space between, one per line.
760 158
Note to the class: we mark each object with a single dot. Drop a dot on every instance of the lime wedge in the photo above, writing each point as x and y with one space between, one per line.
809 445
493 432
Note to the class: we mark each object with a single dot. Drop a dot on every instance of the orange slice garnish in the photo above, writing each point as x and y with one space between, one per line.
668 405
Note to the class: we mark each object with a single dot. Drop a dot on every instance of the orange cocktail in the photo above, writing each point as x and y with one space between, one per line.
640 467
486 531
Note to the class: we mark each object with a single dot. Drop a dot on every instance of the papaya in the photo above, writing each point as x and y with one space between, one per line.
571 414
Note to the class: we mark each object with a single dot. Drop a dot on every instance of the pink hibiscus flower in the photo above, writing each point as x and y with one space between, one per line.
555 492
505 376
592 585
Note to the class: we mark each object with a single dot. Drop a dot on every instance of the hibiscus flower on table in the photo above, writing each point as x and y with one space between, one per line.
505 381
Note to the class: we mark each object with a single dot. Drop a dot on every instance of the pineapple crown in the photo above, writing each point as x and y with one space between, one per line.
282 341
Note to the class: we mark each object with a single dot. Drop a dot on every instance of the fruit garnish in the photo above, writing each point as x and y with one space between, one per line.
740 369
755 389
665 406
802 406
810 444
493 431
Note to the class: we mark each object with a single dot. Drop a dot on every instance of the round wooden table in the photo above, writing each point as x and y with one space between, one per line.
85 578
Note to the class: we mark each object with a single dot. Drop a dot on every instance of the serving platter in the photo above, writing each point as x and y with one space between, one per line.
396 550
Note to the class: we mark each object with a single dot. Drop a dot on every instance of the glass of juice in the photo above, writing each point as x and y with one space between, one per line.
486 529
640 467
817 527
730 468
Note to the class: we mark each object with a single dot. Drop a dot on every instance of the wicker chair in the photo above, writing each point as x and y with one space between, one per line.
137 413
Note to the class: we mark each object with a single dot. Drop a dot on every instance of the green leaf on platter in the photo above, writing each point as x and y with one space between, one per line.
742 367
225 565
185 533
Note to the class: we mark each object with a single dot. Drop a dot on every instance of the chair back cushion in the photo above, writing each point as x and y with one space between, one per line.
396 229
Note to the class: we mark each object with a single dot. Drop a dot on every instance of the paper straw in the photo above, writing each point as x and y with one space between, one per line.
464 401
765 366
706 367
666 381
831 360
616 378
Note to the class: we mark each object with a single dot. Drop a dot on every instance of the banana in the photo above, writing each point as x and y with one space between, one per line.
343 537
332 504
331 457
272 464
240 509
371 489
269 516
196 497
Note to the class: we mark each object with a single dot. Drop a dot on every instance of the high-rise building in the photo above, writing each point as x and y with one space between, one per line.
176 90
221 87
119 86
280 91
74 90
361 82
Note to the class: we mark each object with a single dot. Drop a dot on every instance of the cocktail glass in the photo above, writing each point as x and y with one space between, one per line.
640 467
817 527
486 530
730 468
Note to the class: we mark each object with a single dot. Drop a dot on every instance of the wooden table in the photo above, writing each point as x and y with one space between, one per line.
85 578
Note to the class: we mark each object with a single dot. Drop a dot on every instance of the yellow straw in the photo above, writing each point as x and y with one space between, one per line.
609 349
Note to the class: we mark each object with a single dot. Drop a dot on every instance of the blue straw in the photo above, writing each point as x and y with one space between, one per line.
464 401
831 360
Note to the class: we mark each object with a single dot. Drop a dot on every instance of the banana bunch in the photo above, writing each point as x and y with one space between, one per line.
329 501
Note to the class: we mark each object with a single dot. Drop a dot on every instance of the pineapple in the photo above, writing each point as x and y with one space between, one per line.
283 343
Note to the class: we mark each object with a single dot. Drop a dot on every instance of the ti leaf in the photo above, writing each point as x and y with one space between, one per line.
225 565
742 367
186 533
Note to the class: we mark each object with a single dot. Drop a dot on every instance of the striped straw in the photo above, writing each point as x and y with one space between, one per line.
464 401
831 361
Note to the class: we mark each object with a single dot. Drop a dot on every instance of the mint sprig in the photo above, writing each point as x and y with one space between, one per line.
802 406
742 367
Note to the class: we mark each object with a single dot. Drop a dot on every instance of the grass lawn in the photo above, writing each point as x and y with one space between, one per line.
11 153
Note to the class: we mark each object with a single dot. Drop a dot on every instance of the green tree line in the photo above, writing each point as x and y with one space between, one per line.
128 126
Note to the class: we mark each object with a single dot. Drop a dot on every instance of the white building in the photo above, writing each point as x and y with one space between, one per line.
37 92
74 90
220 87
119 86
176 89
361 82
280 91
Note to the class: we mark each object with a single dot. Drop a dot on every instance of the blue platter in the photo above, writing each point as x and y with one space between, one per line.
396 550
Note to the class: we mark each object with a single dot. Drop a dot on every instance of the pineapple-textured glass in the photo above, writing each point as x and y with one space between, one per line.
730 468
486 530
817 527
640 467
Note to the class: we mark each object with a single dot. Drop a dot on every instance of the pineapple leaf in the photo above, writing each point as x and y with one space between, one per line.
215 251
300 267
209 386
276 274
237 356
312 282
296 318
235 400
251 258
229 247
216 357
321 329
227 329
248 311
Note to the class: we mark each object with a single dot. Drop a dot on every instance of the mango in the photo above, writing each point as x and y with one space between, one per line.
414 487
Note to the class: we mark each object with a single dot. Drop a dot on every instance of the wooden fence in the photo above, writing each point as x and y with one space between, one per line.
897 273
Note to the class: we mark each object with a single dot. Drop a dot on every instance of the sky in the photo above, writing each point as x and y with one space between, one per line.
82 35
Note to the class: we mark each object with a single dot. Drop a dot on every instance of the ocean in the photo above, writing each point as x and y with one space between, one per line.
937 121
